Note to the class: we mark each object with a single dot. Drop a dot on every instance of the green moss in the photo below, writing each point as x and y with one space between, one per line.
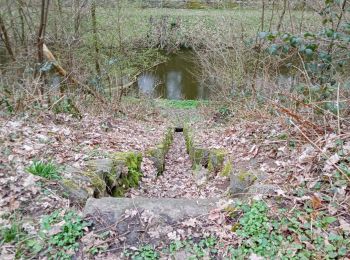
111 178
244 176
118 192
227 169
168 139
216 160
188 139
157 154
70 184
131 160
199 156
189 143
126 182
97 182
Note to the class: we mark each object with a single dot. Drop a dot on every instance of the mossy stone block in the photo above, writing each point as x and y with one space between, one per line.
241 181
157 156
100 166
216 160
227 169
168 139
97 182
188 139
132 159
128 169
200 156
75 192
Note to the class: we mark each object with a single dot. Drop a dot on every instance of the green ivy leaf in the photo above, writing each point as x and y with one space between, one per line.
273 49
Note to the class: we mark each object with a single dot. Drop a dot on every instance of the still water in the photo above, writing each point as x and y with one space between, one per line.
174 79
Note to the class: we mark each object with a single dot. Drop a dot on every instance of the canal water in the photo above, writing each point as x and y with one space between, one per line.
175 79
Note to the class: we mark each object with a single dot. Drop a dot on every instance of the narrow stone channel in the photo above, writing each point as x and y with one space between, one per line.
178 179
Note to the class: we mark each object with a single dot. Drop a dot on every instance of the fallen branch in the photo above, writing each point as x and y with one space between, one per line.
50 57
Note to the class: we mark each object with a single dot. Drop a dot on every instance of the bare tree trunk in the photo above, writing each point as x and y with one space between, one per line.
263 16
336 28
76 8
95 36
60 14
42 29
21 18
5 38
12 21
282 15
272 15
41 34
50 57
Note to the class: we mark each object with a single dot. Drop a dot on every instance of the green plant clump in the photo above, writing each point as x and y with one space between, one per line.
255 229
56 238
276 239
47 170
9 234
70 232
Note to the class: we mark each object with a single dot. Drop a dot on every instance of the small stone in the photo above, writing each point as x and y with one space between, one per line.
263 189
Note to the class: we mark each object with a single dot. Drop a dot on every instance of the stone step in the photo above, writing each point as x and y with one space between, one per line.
173 209
145 221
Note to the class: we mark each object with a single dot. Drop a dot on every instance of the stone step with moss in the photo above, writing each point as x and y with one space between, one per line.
111 176
158 153
212 159
249 182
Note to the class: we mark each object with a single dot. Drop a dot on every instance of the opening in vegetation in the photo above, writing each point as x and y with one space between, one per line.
179 129
175 79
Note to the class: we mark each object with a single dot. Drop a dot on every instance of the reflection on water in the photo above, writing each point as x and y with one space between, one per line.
174 84
174 79
146 83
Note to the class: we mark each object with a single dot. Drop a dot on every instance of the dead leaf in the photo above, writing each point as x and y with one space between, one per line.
316 202
190 222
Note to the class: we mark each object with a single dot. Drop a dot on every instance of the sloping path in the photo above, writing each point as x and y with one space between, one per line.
178 180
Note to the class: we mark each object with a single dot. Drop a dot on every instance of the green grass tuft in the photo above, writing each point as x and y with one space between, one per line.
182 104
43 169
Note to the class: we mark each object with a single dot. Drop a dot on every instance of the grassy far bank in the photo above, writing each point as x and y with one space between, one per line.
129 37
136 22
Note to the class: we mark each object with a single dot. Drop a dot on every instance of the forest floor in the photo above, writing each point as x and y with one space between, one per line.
306 215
